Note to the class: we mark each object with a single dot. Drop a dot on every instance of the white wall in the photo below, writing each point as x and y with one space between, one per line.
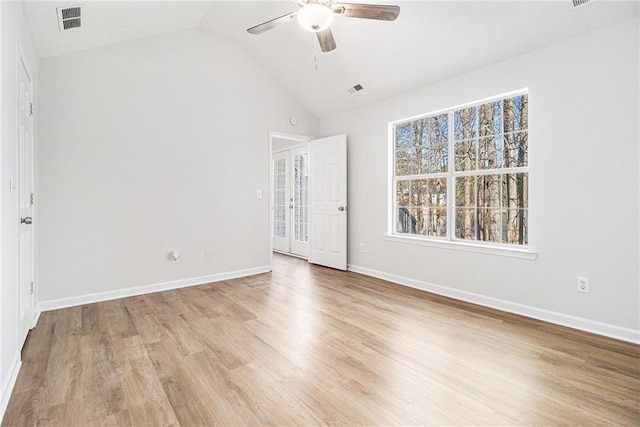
14 34
584 139
283 144
149 146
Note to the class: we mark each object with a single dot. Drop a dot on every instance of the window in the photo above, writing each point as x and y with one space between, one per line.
462 174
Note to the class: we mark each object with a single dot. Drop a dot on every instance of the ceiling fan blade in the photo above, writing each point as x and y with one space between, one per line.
269 25
327 42
368 11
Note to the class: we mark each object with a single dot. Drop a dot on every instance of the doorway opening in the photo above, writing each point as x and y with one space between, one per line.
290 196
308 198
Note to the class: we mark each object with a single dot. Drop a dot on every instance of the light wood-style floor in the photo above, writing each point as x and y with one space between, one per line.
306 345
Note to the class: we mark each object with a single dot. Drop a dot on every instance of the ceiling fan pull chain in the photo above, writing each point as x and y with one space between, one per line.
315 53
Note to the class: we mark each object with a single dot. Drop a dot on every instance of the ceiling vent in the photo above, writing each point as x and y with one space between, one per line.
356 88
69 17
580 3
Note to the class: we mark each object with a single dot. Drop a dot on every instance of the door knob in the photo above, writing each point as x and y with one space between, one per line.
26 220
342 208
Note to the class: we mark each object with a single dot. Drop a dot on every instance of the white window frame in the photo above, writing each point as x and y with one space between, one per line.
451 242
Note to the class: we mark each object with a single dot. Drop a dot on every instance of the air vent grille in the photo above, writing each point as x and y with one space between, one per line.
71 12
578 3
69 17
71 23
355 88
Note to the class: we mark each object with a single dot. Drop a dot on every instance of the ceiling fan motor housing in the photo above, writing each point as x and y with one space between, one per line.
315 17
303 3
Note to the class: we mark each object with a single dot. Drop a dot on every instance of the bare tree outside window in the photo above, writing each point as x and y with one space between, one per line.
488 174
422 161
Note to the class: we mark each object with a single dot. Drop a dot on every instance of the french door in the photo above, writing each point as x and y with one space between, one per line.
290 231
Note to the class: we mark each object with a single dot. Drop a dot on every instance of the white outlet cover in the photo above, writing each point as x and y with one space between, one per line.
583 284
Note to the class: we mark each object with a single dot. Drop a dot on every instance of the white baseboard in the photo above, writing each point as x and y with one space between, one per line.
147 289
8 384
599 328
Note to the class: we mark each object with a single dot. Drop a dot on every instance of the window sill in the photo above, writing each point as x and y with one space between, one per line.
466 247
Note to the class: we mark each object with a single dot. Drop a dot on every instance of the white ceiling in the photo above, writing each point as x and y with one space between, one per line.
430 40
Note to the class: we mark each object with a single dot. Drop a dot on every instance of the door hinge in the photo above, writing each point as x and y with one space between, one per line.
31 288
32 198
31 108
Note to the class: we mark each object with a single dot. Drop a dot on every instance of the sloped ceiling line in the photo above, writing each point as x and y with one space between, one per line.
430 40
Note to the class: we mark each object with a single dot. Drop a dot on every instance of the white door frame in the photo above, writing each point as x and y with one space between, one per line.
280 135
30 315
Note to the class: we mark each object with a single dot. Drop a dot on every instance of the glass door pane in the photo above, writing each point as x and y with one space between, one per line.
280 198
301 197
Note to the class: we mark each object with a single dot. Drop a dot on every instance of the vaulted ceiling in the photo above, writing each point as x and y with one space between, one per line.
430 40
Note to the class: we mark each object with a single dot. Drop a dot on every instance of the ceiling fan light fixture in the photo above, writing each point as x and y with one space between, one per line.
315 17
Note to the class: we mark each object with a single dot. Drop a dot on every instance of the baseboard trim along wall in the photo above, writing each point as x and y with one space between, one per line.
582 324
8 384
147 289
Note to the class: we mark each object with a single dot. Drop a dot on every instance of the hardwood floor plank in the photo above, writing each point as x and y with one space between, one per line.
100 378
221 340
143 310
153 412
305 345
64 367
119 419
23 405
188 410
38 345
30 376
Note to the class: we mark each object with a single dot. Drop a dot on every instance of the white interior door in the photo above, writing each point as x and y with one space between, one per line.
281 202
25 192
299 159
328 202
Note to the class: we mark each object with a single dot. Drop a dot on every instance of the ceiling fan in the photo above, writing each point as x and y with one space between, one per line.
317 15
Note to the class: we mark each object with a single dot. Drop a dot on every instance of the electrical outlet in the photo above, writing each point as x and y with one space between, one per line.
361 247
207 254
258 194
583 284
